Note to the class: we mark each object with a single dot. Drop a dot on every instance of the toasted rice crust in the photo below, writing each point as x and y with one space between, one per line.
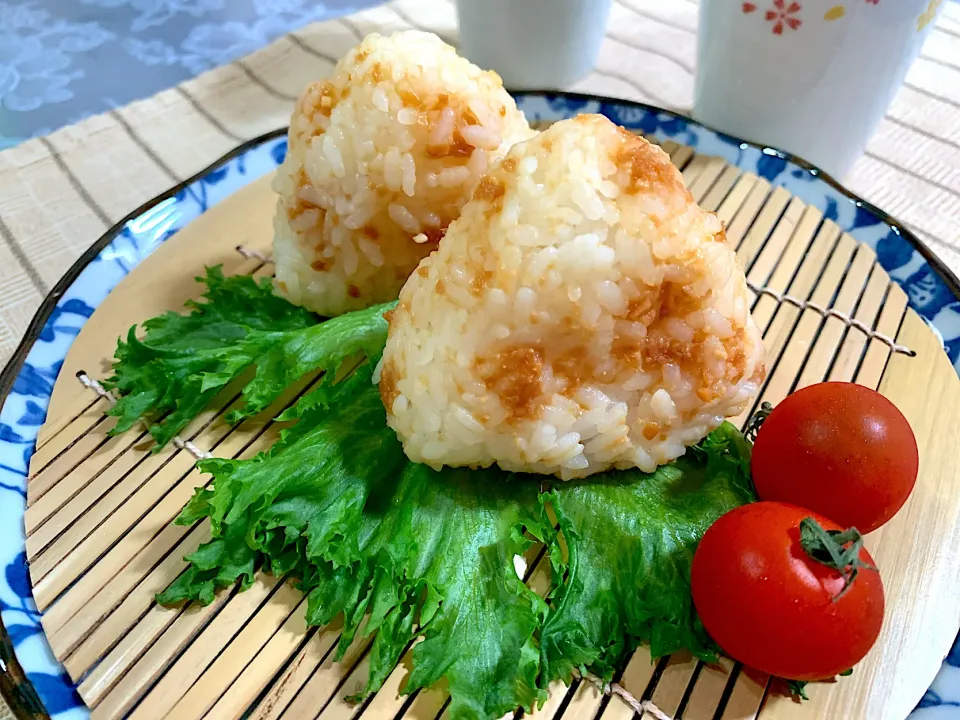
381 158
582 314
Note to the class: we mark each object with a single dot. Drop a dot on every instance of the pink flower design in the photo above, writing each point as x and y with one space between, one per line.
748 7
873 2
783 14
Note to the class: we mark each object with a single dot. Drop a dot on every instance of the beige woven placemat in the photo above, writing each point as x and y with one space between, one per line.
59 193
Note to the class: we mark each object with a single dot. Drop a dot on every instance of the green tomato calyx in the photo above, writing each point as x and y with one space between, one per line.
837 549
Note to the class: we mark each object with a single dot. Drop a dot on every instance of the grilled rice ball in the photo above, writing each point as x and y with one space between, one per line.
582 314
381 157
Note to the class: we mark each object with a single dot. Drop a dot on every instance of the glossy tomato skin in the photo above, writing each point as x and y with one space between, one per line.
770 606
840 449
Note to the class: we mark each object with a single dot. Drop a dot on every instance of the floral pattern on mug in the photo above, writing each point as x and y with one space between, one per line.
928 15
780 14
835 13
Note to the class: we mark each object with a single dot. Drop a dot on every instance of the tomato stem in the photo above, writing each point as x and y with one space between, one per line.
837 549
798 689
756 420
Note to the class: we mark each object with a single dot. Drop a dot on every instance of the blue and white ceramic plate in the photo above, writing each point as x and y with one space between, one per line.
33 680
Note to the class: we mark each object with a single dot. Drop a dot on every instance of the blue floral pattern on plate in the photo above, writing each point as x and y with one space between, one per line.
24 408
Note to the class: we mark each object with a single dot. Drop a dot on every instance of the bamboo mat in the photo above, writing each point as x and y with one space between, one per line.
59 193
100 544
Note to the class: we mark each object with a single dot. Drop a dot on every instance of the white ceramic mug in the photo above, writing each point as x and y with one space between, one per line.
812 77
533 44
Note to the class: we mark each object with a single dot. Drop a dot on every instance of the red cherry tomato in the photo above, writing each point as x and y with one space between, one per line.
768 604
839 449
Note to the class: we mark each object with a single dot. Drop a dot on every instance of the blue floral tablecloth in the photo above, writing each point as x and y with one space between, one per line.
63 60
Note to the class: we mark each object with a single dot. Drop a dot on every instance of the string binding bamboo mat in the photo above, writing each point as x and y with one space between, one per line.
100 541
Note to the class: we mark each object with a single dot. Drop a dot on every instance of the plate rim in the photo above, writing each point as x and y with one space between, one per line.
16 688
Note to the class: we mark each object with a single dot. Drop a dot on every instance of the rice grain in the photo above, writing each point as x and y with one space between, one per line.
583 311
381 157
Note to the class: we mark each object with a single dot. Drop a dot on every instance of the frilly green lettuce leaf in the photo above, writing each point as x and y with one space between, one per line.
375 537
169 376
630 539
401 551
